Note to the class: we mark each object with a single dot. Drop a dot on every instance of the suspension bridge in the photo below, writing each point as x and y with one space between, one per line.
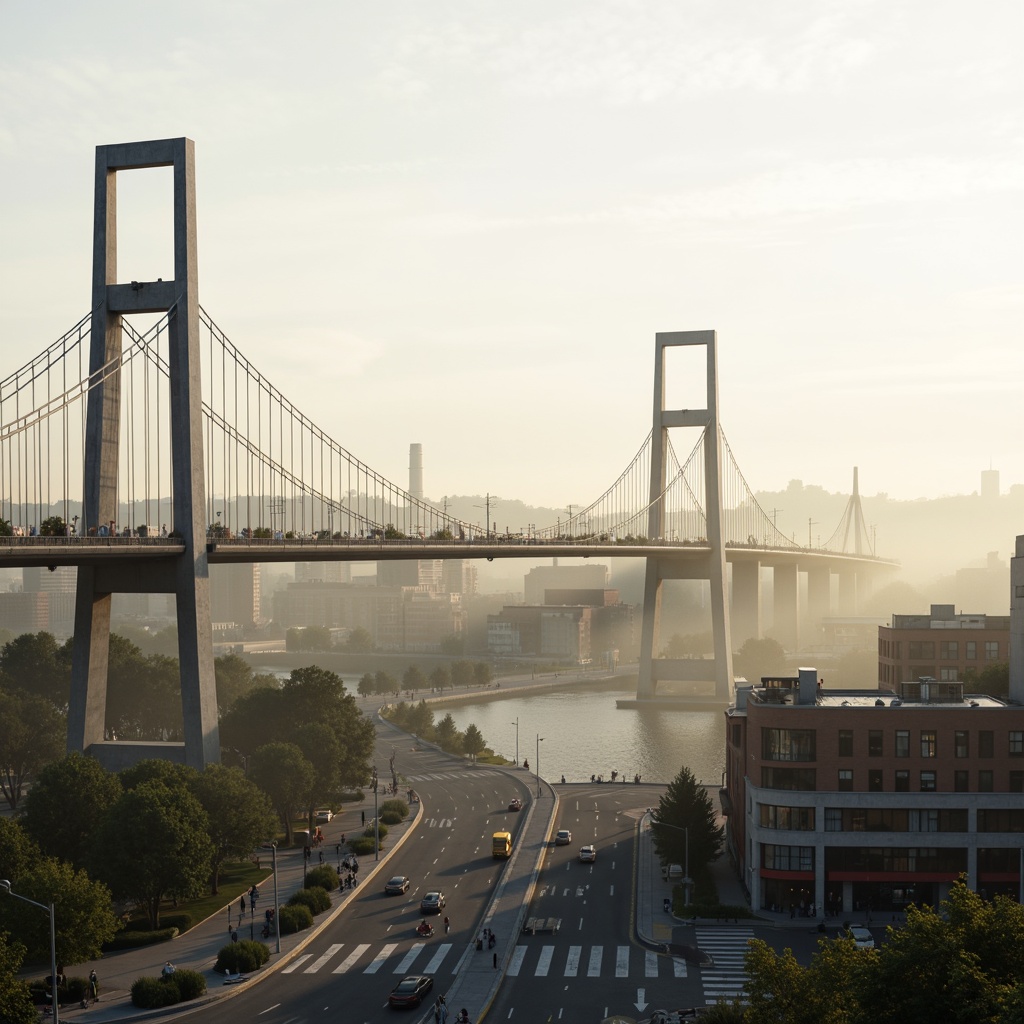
144 454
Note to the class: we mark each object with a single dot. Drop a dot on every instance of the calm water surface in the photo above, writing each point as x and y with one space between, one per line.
585 734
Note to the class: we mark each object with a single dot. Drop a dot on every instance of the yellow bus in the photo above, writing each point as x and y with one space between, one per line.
501 845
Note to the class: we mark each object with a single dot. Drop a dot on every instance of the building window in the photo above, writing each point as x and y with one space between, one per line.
972 650
1016 744
875 780
928 743
1007 819
874 743
799 819
991 650
949 675
833 819
787 858
961 781
918 649
736 735
949 650
902 782
986 743
927 782
903 743
961 743
1017 782
846 743
788 778
985 780
845 780
788 745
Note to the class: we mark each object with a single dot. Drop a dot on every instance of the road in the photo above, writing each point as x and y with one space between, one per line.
348 970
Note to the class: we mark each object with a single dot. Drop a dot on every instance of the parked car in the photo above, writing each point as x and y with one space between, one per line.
432 903
563 837
324 816
862 938
397 885
588 854
411 990
515 804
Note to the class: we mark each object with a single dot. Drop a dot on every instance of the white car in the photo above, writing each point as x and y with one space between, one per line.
563 837
862 938
322 817
588 854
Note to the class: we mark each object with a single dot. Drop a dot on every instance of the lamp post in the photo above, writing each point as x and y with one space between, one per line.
516 724
376 820
5 885
687 880
536 763
277 908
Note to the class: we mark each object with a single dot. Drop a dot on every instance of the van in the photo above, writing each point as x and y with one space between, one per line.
672 872
501 845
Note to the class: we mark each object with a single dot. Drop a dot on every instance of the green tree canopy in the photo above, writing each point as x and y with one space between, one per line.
35 663
482 674
386 682
756 658
282 771
367 685
413 678
462 673
17 850
686 819
32 734
16 1005
359 641
446 733
440 677
154 842
235 678
65 804
473 741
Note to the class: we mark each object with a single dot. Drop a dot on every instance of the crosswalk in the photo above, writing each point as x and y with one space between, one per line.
437 776
540 961
727 978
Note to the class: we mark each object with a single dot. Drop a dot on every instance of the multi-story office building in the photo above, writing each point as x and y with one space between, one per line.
942 645
869 800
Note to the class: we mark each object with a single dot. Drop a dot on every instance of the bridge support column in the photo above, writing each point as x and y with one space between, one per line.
746 602
187 575
652 669
847 592
784 603
819 596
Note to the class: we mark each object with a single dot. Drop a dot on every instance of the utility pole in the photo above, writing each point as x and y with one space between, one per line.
810 523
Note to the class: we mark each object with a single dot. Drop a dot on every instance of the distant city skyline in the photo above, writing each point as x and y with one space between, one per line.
462 225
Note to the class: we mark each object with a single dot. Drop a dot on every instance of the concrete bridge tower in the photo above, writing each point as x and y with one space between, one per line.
185 575
661 568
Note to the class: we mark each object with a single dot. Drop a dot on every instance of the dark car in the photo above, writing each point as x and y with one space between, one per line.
515 804
411 990
397 885
432 903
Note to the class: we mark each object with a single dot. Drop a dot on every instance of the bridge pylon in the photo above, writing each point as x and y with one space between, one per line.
661 568
186 575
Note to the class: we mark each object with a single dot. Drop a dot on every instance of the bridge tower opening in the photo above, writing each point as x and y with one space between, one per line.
663 568
185 575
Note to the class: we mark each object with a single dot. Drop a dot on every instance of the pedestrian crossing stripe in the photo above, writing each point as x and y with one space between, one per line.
726 978
589 961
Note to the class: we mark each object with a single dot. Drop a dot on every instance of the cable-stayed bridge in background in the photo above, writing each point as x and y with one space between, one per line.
165 450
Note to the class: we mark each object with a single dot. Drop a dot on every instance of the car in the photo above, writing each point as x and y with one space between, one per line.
563 837
862 938
515 804
324 816
432 903
397 885
411 990
588 854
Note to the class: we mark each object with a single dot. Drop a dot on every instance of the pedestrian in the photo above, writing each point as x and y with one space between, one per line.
241 907
447 925
94 987
168 969
495 961
234 935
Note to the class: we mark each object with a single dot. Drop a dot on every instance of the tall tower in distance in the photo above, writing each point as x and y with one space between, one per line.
416 471
990 484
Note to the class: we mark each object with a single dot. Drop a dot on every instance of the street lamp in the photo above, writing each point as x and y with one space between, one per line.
277 908
687 881
5 885
516 724
536 763
376 820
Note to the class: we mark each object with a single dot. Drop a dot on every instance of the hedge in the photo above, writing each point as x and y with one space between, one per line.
293 919
153 993
380 830
242 957
361 846
399 807
323 876
132 940
391 817
313 896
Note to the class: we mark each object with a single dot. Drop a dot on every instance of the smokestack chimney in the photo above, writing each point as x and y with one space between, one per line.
416 471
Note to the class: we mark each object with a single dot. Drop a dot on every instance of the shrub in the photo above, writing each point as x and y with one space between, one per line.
380 828
323 876
315 897
294 918
361 846
180 921
152 993
191 984
242 957
133 939
399 807
391 818
355 797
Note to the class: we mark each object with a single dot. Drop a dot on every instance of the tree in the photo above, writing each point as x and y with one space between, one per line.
359 641
386 683
16 1006
482 674
473 741
282 771
453 646
420 721
235 678
462 673
319 744
83 917
34 663
440 677
240 814
686 807
17 851
154 842
64 805
446 733
756 658
32 734
413 678
53 526
367 685
993 679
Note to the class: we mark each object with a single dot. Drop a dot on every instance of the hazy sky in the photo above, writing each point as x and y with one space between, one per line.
462 223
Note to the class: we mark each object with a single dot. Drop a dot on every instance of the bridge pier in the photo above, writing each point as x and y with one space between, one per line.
819 597
785 604
186 575
746 602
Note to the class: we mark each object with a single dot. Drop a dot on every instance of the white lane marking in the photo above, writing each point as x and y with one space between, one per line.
407 960
650 964
320 961
434 964
572 964
516 962
378 961
299 961
622 962
544 963
611 890
351 958
594 967
678 967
